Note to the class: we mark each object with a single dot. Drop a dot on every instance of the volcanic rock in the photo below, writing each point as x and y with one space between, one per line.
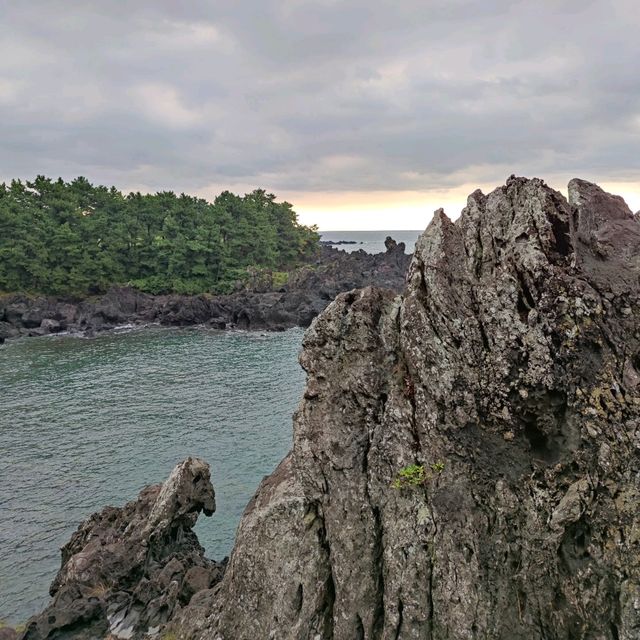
127 571
256 307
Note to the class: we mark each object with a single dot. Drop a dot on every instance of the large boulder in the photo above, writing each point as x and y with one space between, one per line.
7 330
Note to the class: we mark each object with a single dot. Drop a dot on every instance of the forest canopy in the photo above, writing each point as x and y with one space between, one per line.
74 238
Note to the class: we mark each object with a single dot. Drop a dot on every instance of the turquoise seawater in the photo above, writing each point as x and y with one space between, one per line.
87 422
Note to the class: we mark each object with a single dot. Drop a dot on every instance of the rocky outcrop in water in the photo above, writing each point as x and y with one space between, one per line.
127 571
308 291
466 460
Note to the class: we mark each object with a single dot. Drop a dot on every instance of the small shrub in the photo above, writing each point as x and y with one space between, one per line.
412 475
279 279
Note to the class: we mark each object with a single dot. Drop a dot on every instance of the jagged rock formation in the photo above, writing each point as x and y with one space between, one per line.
126 571
466 457
308 291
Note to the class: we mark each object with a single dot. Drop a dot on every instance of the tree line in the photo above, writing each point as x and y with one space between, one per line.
75 238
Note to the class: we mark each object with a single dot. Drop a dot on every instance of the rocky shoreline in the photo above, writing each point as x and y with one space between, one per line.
307 292
465 461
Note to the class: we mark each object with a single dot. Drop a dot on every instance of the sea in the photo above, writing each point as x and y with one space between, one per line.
87 422
370 241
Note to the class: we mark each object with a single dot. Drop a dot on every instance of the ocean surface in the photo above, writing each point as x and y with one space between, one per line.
371 241
88 422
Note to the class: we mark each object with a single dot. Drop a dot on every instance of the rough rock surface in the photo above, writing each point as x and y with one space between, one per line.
308 291
466 459
126 571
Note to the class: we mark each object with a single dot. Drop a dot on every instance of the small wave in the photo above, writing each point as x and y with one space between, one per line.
126 328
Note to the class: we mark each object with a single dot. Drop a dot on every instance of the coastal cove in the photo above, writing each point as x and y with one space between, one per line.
89 422
115 390
320 321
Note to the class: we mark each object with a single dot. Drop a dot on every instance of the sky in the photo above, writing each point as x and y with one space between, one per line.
363 114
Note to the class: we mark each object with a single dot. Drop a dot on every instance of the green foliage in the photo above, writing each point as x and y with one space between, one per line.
232 280
410 476
74 238
415 475
438 466
279 279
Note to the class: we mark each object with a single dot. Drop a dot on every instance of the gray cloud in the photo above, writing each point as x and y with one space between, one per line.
319 95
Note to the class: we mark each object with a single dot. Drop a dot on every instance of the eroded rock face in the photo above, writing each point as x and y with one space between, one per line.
466 460
126 571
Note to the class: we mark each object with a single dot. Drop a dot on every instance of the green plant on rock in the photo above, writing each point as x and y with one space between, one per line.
279 279
438 467
412 475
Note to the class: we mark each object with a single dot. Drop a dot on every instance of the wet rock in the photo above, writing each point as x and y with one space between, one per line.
128 570
7 330
32 318
217 323
14 308
466 458
49 325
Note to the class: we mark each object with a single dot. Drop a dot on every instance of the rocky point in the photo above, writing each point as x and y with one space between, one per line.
126 571
466 457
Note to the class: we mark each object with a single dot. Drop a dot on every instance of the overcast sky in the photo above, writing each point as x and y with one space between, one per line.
363 113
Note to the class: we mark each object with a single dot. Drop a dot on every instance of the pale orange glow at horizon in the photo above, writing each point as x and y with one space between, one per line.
396 210
374 210
392 210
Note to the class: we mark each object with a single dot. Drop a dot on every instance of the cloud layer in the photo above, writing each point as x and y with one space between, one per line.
319 95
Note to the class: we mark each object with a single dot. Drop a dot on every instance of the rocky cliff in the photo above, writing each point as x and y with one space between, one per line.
466 457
